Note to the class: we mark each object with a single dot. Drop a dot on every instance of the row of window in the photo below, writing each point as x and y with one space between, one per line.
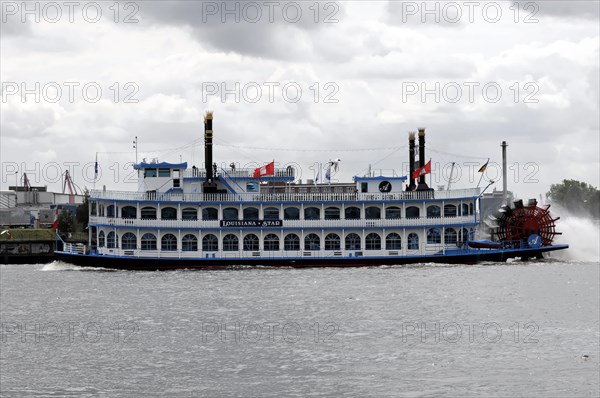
271 242
289 213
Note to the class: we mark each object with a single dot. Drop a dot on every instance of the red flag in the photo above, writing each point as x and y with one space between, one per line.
55 223
423 170
266 170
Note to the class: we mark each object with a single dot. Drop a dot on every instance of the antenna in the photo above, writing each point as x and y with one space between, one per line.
135 146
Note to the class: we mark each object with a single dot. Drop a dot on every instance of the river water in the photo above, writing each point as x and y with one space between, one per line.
510 329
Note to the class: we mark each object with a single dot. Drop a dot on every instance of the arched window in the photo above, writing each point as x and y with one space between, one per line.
312 242
471 207
168 213
352 242
148 242
291 242
373 242
210 213
110 211
433 211
332 242
251 242
148 213
450 236
413 212
189 243
230 243
372 213
413 241
128 241
393 242
271 213
393 212
230 214
128 212
271 242
210 243
352 213
465 209
189 213
168 243
111 241
312 213
449 211
291 213
434 236
250 213
332 213
101 239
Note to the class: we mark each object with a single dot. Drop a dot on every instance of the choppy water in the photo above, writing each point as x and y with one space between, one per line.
488 330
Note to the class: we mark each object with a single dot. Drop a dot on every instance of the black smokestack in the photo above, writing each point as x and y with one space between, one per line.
411 161
422 184
504 174
208 146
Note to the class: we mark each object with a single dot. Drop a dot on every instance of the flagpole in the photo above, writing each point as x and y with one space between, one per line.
320 172
481 177
95 171
430 177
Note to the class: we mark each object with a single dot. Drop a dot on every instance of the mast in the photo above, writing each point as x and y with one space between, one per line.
450 179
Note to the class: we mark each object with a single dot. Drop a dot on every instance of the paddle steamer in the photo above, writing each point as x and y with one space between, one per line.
185 218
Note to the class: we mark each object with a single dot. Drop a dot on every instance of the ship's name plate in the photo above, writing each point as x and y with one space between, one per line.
251 223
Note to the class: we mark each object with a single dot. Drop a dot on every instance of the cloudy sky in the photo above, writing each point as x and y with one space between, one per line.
301 83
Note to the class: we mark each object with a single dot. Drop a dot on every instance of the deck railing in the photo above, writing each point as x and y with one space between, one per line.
77 248
264 254
238 173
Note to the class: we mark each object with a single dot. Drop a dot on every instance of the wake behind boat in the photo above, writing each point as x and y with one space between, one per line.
182 218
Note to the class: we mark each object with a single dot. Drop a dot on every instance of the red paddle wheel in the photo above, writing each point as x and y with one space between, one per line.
520 222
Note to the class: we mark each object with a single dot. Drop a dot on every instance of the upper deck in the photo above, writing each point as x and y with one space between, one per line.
282 197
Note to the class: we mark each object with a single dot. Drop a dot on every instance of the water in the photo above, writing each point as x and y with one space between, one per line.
425 330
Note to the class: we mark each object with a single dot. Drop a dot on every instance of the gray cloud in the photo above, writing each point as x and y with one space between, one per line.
588 9
13 27
413 14
171 52
448 14
271 36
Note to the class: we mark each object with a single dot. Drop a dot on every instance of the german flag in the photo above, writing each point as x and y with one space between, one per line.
482 168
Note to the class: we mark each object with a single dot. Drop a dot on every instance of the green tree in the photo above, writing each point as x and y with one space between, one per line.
66 223
577 197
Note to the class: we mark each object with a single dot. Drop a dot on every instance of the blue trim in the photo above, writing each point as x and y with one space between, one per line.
449 253
162 165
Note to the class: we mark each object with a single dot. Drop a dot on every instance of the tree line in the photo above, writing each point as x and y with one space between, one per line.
579 198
